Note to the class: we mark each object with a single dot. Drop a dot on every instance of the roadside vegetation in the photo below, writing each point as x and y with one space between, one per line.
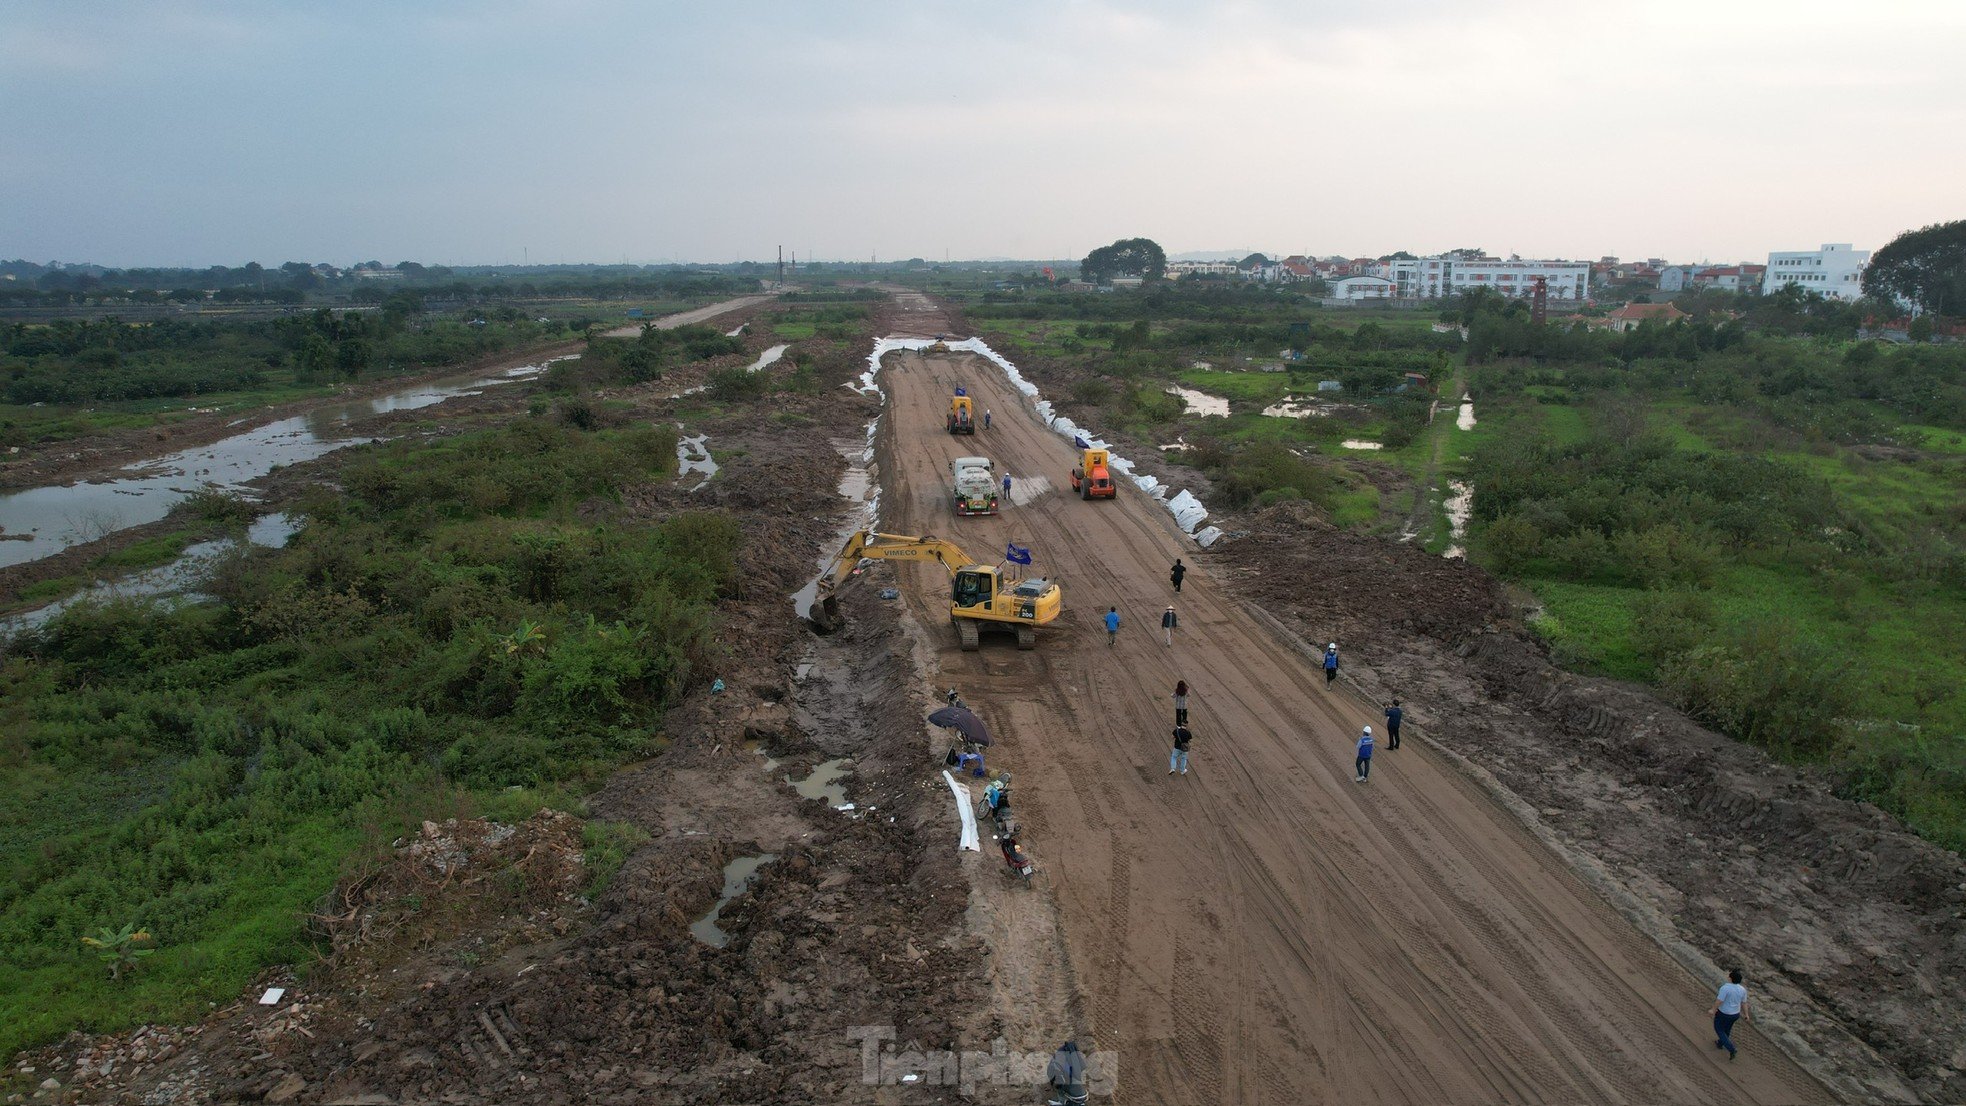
73 377
1765 522
452 632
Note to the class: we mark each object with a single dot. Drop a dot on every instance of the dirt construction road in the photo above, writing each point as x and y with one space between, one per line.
1265 929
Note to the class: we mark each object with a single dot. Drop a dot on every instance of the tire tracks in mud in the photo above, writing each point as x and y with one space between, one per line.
1265 929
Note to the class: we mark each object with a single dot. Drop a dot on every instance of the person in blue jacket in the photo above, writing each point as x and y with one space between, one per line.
1394 716
1363 764
1330 663
1112 624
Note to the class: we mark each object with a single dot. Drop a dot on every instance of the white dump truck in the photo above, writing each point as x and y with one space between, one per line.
975 483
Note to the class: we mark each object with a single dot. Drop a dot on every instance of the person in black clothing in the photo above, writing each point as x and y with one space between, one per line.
1393 716
1177 761
1177 572
1066 1072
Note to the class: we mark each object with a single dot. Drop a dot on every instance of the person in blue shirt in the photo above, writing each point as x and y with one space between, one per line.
986 424
1330 663
1112 624
1729 1005
1393 717
1363 765
1006 486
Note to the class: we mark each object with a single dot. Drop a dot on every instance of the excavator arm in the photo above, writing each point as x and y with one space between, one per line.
881 547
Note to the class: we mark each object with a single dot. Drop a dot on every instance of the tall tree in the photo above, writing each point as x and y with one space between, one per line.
1926 266
1141 257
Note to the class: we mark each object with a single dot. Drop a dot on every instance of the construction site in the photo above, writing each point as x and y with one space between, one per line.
1532 898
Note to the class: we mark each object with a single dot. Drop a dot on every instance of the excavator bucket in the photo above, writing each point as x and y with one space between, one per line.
825 614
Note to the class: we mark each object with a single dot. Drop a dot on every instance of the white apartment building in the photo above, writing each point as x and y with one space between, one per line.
1835 270
1361 288
1434 277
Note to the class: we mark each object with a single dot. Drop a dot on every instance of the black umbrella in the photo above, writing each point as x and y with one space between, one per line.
957 718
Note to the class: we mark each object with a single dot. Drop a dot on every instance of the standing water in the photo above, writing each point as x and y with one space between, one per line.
179 579
738 875
858 488
1465 420
1459 506
1201 403
59 516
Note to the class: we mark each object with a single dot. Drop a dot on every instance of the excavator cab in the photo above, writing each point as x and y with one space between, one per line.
975 587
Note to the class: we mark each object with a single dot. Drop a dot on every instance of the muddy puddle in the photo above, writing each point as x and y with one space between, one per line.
738 875
826 781
1201 403
1459 506
1465 419
858 487
178 580
757 749
1361 443
693 456
59 516
1298 407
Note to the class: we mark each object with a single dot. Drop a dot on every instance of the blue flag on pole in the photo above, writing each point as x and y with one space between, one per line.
1016 555
1079 441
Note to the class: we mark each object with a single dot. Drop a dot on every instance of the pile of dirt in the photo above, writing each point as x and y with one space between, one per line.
538 867
1848 926
1354 589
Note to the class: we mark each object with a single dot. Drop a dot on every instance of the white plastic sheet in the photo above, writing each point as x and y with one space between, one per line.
966 811
1187 510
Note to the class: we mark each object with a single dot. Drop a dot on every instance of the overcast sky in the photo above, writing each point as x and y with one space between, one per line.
484 132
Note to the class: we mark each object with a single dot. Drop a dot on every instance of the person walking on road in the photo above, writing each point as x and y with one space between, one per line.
1112 625
1330 663
1177 761
986 418
1006 487
1168 621
1363 765
1393 717
1729 1006
1180 702
1176 573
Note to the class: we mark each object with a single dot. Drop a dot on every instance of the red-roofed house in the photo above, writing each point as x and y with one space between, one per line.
1631 315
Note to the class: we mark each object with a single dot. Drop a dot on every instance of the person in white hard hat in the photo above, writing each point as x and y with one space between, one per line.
1363 765
1330 663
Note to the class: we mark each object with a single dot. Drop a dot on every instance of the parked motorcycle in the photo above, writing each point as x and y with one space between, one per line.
1014 858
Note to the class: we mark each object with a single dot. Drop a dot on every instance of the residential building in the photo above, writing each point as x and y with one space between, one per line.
1205 268
1631 315
1677 278
1835 270
1361 288
1435 277
1731 278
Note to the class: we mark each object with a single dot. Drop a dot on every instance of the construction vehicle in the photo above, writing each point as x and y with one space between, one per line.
1093 479
981 597
962 413
975 485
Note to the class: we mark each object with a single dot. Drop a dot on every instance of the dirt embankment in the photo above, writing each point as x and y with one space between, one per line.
1847 925
494 981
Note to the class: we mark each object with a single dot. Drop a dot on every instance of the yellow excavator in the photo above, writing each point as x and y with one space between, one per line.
980 596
